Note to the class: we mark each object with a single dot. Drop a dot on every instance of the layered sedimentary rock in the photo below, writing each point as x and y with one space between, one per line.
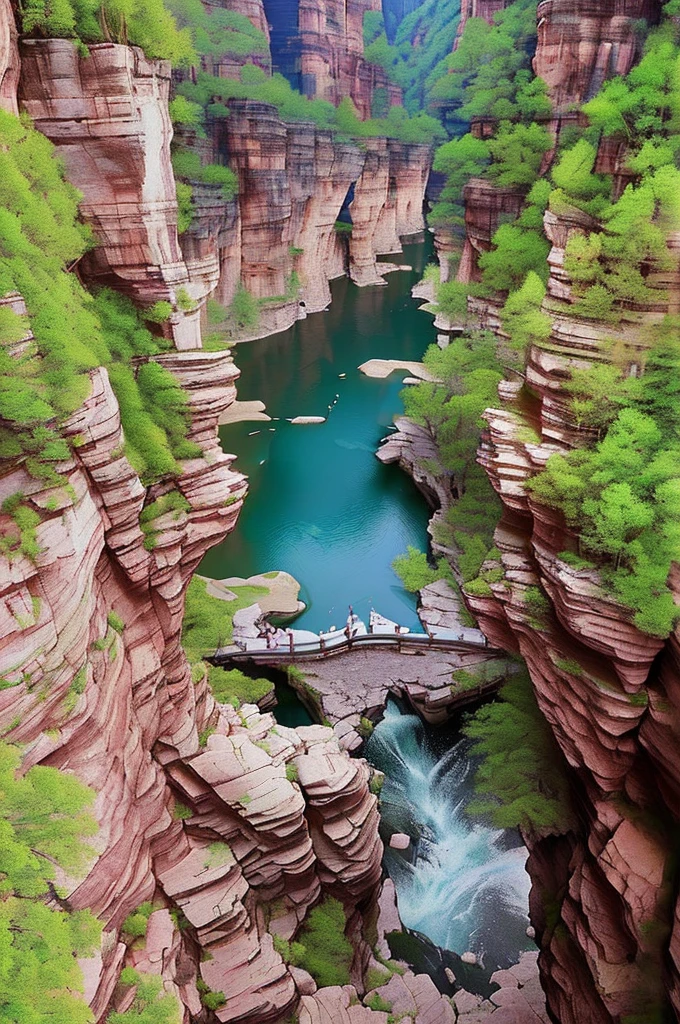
278 237
9 59
332 63
582 44
603 899
107 115
387 203
228 64
485 9
487 206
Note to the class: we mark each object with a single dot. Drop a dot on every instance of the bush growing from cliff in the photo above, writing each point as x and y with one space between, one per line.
151 1005
469 374
488 75
326 952
415 571
216 32
145 23
622 495
73 332
522 780
44 822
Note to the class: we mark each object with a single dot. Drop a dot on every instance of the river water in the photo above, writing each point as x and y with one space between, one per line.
320 505
463 885
323 508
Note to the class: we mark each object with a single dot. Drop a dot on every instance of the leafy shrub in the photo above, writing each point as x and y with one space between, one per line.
231 686
159 313
44 820
151 1005
146 23
134 926
521 781
325 951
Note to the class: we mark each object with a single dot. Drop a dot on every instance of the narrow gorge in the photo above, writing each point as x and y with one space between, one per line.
246 246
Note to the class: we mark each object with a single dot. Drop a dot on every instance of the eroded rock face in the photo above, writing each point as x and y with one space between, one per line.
487 206
332 61
9 59
107 115
581 44
278 238
388 203
601 900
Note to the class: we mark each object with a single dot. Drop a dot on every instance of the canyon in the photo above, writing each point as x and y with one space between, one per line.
235 826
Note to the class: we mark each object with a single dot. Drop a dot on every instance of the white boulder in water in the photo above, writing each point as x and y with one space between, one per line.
469 958
400 841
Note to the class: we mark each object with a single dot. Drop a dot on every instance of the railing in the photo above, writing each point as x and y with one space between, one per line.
324 648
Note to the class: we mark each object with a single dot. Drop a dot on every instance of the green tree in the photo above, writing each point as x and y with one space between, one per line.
44 819
522 780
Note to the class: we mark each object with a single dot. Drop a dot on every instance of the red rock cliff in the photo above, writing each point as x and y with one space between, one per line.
581 44
603 901
107 115
332 60
90 633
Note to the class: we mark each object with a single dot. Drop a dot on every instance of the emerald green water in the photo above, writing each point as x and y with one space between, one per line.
320 505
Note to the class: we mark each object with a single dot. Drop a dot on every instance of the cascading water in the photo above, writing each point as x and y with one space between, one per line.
463 883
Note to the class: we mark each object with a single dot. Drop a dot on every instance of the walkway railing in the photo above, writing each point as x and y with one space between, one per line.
325 647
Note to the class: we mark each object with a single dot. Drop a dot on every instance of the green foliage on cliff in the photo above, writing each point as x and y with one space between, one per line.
254 84
415 572
145 23
219 33
422 40
469 374
489 74
322 947
623 494
74 333
207 625
522 780
151 1005
44 820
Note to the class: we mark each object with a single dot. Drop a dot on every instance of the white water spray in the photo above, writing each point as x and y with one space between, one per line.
466 887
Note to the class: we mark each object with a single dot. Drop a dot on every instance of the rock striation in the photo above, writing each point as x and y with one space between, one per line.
332 63
95 680
601 900
582 44
107 115
278 238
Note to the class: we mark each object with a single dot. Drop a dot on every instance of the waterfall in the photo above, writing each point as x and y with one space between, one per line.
463 883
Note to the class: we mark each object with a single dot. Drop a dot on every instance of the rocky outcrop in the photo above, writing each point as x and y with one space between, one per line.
603 900
278 238
9 59
581 44
332 63
107 115
485 9
487 206
387 204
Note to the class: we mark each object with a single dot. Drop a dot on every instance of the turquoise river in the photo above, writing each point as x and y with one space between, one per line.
320 505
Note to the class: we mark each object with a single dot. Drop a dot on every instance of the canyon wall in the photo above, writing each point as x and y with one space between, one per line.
278 238
604 897
94 677
332 63
107 115
603 900
582 44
